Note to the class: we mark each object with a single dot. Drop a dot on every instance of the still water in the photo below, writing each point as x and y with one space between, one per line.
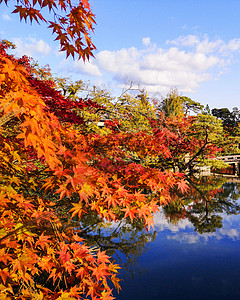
193 251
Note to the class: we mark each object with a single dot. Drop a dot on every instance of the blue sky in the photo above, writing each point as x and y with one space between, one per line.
158 45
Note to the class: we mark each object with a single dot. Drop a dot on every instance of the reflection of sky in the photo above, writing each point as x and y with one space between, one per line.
183 231
161 223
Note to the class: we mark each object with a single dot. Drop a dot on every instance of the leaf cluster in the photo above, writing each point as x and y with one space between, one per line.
50 167
72 24
57 168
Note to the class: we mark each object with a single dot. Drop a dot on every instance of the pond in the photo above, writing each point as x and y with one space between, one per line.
193 252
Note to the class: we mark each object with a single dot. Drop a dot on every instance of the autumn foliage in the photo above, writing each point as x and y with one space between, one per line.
57 166
53 172
71 23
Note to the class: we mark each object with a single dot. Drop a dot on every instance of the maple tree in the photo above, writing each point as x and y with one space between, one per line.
173 141
57 166
71 23
33 241
52 166
176 142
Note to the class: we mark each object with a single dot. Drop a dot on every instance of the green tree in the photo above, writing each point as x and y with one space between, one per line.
175 105
172 105
228 118
231 129
53 171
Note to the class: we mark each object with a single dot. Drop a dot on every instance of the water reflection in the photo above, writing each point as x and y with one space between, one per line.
195 254
208 201
124 240
202 209
205 203
193 248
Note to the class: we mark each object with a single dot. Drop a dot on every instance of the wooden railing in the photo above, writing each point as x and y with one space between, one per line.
229 158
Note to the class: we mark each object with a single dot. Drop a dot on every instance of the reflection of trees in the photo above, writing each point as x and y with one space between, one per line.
124 239
230 190
206 199
203 204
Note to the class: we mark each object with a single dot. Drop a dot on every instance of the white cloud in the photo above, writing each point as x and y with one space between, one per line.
120 62
159 69
209 47
31 47
6 17
146 41
231 46
206 46
189 40
174 59
183 63
86 67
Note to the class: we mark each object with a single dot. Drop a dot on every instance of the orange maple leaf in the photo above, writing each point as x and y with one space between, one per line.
115 281
102 257
182 186
43 241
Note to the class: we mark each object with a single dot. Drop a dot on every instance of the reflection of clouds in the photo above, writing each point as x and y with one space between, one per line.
183 231
113 225
161 223
194 237
231 219
232 233
191 238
